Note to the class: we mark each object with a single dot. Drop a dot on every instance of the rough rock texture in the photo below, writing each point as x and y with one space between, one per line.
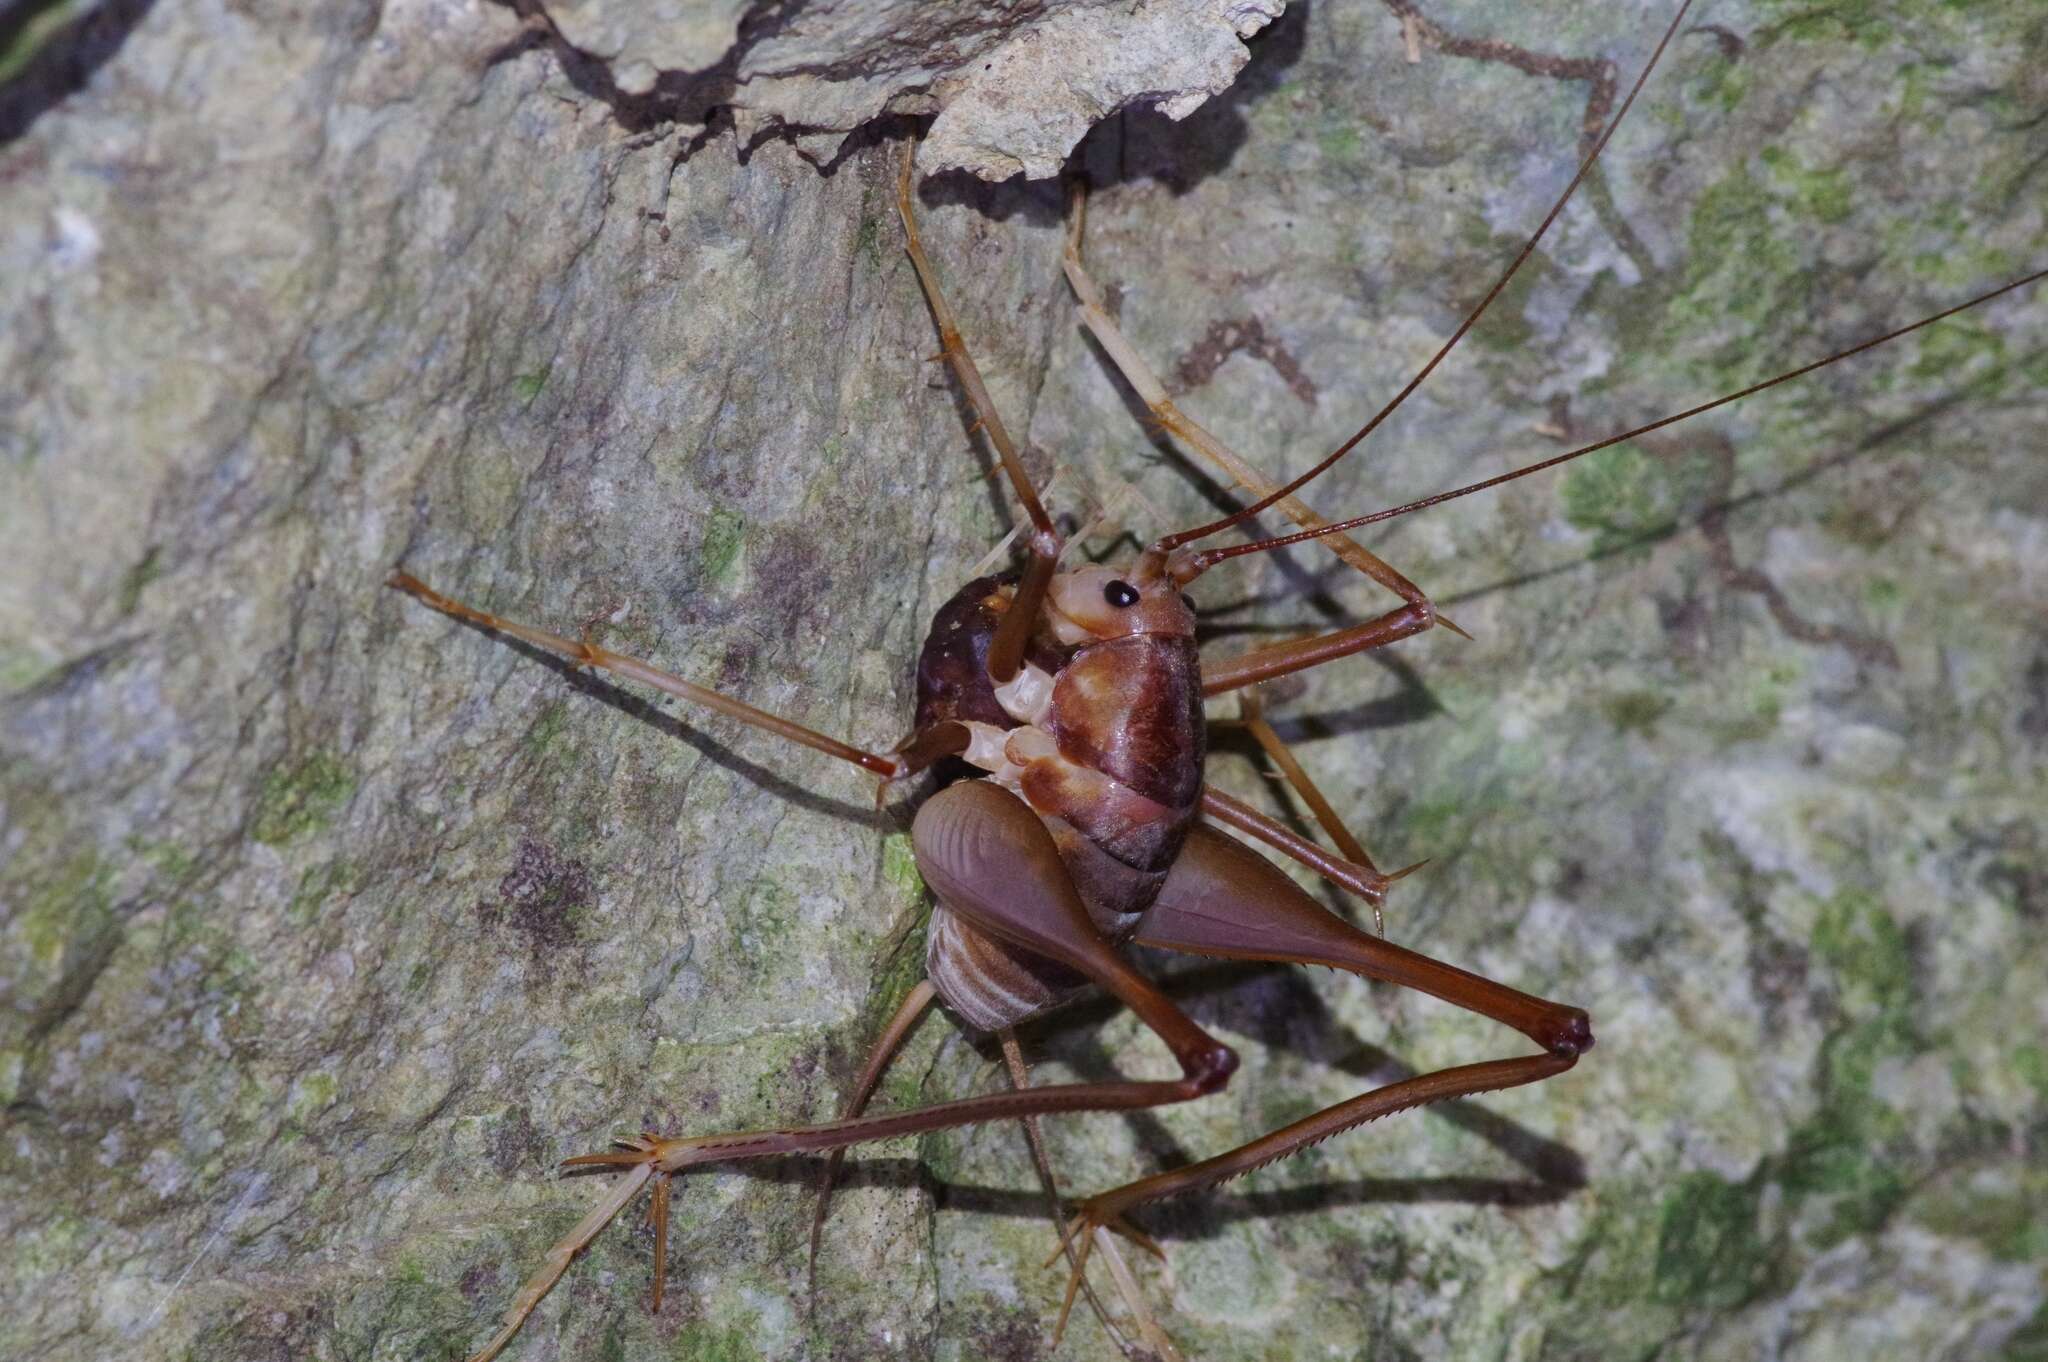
1013 87
327 926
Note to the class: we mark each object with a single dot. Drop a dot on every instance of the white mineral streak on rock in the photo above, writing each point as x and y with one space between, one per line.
74 240
1014 89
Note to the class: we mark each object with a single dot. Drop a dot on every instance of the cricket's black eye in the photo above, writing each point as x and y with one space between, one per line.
1122 595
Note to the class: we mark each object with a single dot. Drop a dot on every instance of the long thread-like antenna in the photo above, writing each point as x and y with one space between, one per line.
1174 541
1208 558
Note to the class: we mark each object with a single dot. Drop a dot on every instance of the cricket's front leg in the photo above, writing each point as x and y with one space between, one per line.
585 653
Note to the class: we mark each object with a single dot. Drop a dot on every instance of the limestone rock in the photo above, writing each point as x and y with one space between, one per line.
328 926
1014 87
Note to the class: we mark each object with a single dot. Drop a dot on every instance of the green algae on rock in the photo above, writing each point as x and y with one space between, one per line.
1747 760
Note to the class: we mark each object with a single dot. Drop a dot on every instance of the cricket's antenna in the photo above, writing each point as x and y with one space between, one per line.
1174 541
1208 558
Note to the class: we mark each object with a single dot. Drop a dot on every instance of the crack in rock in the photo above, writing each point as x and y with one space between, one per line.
1013 90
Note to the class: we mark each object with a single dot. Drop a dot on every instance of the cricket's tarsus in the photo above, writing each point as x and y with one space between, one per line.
1084 832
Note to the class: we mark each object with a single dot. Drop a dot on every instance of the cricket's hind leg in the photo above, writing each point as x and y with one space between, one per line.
617 1196
994 863
901 1025
1156 1345
898 1030
1223 899
1358 873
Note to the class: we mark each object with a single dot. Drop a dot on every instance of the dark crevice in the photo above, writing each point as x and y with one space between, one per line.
1240 335
704 97
1139 143
1597 73
87 958
677 96
1713 524
65 61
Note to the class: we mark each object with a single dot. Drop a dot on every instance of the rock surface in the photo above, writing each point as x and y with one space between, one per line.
1013 88
327 926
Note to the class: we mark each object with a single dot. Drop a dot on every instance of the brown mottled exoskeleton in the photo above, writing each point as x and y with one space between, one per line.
1075 698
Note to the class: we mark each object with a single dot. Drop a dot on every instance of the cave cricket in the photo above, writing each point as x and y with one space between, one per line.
1074 697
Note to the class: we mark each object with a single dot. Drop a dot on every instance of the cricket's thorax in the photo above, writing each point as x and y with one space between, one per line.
952 668
1106 747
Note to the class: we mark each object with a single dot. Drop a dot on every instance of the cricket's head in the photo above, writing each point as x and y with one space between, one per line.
1094 604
